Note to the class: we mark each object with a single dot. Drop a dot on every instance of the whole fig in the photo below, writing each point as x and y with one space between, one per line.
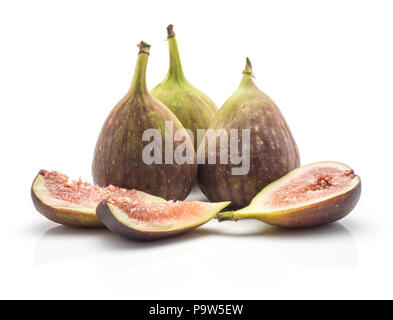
271 151
119 157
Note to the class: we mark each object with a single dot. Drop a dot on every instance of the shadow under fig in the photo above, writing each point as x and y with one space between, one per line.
62 243
113 240
328 246
260 229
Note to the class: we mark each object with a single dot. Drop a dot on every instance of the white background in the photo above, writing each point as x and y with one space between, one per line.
328 66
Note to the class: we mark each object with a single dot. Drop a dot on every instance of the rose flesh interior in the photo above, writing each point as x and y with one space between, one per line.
79 192
310 185
132 207
158 214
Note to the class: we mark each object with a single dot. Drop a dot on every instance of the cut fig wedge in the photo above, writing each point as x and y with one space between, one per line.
74 203
311 195
145 220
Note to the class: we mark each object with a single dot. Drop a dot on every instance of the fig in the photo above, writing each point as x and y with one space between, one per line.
194 109
74 203
120 153
270 151
144 220
311 195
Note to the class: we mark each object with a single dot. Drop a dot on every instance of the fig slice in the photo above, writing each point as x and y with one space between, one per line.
311 195
145 220
74 203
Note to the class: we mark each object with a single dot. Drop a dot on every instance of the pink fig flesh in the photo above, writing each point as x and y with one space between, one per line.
144 220
74 203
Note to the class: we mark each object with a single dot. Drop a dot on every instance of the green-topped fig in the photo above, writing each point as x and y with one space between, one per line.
312 195
194 109
137 122
270 152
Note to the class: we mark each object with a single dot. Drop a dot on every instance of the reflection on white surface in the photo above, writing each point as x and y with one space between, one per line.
217 245
330 246
63 243
244 259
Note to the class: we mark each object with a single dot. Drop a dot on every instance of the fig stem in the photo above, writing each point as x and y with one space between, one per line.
248 68
144 47
171 33
175 71
227 216
138 83
247 80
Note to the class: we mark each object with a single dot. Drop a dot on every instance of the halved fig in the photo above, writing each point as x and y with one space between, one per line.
74 203
311 195
145 220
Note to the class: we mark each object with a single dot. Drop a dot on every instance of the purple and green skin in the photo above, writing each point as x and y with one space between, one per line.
118 153
67 217
194 109
273 150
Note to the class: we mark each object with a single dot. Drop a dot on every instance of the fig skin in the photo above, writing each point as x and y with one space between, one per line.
194 109
109 220
273 150
118 153
65 216
311 215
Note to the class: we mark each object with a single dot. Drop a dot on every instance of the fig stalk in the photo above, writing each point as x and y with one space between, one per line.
138 84
247 79
175 72
194 109
227 216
